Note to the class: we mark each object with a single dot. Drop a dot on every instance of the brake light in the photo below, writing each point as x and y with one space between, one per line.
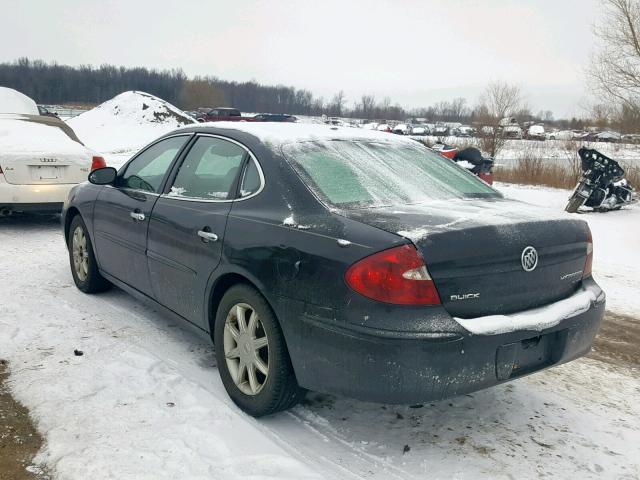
97 162
588 264
398 275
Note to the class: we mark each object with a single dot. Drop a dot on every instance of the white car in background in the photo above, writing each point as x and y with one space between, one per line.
536 132
41 157
440 130
512 131
560 135
464 131
402 129
420 130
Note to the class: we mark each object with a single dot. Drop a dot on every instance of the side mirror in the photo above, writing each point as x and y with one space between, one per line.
103 176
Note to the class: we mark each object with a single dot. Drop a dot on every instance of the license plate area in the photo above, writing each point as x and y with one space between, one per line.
526 356
45 172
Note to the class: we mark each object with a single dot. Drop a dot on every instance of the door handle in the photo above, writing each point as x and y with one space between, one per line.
137 216
207 236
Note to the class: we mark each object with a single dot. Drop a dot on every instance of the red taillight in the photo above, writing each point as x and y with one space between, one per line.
487 177
97 162
0 170
398 275
586 272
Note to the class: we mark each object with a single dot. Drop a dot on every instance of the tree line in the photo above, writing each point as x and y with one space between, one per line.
51 83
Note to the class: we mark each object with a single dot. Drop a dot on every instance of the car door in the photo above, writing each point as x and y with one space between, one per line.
187 226
121 213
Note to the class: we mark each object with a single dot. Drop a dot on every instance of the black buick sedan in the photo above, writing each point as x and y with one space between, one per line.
337 260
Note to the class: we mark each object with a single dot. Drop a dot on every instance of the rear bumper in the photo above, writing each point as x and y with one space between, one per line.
33 197
414 367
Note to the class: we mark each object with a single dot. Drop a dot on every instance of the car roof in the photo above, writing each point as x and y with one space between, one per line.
279 133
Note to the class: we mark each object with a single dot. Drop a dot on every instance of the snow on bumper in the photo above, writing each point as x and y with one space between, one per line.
537 319
445 359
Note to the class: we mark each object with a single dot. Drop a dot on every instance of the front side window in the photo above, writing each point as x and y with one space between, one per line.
209 170
147 170
359 173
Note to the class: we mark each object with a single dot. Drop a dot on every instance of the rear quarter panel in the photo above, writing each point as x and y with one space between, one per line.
288 240
81 198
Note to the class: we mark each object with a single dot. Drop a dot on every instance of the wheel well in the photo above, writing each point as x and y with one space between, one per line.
223 284
71 213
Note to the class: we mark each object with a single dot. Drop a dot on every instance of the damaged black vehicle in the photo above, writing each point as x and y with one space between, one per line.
336 260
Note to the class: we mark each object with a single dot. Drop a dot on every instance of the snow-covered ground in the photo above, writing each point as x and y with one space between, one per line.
144 401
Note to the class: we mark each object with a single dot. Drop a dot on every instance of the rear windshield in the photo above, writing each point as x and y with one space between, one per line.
356 174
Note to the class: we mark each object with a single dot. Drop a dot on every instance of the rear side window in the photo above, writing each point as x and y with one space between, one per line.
360 173
251 180
209 170
147 170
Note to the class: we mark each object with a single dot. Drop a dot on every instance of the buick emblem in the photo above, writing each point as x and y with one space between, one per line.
529 259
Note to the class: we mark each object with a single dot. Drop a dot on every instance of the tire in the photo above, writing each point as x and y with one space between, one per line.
85 273
575 202
277 390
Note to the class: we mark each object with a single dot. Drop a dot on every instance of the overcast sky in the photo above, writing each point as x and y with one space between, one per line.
414 51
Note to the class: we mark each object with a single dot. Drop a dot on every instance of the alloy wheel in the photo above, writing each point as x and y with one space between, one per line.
80 254
246 349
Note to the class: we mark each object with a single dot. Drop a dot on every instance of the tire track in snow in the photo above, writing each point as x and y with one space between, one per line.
300 422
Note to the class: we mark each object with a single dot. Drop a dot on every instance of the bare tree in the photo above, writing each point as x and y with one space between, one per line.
337 104
458 109
200 93
383 108
523 114
601 114
499 100
627 119
615 68
366 106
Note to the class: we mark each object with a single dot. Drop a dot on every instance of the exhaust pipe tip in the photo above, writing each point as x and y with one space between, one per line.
5 212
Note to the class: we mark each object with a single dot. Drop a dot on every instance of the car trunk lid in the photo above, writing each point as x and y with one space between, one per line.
40 150
474 252
39 168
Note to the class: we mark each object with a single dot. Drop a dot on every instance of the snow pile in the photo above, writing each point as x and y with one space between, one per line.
127 122
12 101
